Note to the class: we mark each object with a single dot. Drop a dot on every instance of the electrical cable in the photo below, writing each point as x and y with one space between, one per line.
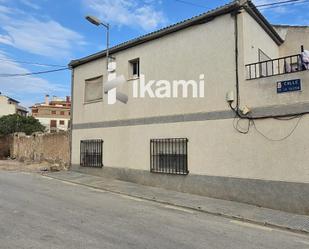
288 118
33 73
31 63
279 139
280 3
262 6
240 129
190 3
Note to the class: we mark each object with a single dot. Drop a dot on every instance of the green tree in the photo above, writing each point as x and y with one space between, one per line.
16 123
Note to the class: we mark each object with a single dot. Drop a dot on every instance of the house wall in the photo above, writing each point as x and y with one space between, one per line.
46 122
210 151
252 38
294 37
167 58
222 162
5 107
263 92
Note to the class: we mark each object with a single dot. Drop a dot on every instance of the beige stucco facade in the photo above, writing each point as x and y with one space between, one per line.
5 107
167 58
294 37
215 148
8 106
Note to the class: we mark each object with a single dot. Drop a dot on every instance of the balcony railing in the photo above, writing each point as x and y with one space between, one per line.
279 66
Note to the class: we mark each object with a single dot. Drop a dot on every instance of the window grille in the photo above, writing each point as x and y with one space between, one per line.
91 153
169 156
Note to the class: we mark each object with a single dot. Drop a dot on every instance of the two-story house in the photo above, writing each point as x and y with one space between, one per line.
11 106
244 138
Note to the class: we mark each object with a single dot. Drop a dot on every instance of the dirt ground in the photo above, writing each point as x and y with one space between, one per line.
14 165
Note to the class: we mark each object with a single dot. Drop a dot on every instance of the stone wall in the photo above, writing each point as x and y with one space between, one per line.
51 147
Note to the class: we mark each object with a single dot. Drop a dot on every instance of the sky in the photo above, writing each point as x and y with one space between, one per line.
55 32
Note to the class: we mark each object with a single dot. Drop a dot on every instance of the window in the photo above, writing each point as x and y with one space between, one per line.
35 111
169 156
134 68
62 113
53 112
94 89
91 153
61 122
53 124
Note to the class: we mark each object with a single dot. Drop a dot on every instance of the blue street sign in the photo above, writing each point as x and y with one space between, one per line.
288 86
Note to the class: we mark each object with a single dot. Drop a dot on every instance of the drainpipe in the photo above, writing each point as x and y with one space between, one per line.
235 15
71 117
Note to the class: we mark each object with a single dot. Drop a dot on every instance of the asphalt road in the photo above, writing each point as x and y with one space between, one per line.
39 212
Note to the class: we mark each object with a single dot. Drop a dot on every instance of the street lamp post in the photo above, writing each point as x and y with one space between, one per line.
94 20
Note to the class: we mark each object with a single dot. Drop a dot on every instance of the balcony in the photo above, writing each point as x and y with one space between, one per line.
279 66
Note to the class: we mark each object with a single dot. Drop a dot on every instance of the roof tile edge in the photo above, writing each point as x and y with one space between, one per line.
202 18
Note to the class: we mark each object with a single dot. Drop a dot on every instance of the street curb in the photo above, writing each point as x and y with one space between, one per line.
199 209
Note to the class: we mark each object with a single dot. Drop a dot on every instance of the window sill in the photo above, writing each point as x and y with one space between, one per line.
93 101
133 78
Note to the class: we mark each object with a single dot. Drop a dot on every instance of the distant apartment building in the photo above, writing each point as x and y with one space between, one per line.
54 114
11 106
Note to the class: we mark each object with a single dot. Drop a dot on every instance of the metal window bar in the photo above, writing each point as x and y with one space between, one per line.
169 156
91 153
279 66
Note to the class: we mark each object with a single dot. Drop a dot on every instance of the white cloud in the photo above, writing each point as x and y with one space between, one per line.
42 37
4 10
5 39
30 4
128 13
48 38
25 87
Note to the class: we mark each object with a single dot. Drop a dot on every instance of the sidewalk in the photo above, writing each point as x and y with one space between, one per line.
229 209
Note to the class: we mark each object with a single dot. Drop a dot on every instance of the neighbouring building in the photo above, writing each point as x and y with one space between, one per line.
54 114
246 140
11 106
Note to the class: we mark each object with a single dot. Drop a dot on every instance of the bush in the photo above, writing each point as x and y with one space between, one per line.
16 123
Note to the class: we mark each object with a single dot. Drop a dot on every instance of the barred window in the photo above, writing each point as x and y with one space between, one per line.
91 153
169 156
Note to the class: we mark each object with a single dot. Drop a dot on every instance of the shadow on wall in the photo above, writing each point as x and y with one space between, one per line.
5 142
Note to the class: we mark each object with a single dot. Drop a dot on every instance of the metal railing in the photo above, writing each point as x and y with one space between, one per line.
283 65
169 156
91 153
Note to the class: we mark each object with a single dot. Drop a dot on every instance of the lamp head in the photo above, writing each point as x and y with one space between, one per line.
93 20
